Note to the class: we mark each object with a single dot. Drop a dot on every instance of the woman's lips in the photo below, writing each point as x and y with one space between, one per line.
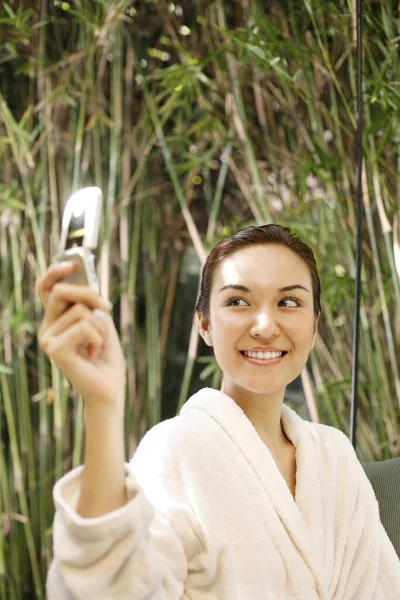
260 362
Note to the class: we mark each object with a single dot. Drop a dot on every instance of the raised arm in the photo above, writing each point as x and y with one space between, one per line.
109 541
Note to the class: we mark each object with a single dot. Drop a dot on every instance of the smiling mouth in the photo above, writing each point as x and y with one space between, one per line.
263 361
242 352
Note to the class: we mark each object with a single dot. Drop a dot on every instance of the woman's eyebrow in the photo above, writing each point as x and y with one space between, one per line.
243 288
288 288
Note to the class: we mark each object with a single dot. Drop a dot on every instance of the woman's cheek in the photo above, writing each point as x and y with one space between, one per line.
228 320
238 317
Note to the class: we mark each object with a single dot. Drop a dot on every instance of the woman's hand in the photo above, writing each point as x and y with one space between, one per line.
79 336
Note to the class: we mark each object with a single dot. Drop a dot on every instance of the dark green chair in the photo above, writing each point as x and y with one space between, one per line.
385 479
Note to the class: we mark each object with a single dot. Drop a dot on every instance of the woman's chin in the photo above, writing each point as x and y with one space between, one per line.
231 386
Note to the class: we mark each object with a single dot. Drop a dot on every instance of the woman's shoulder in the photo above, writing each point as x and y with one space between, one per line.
333 440
328 432
171 440
162 437
327 435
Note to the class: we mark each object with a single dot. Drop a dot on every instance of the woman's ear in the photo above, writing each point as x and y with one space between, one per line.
315 333
204 328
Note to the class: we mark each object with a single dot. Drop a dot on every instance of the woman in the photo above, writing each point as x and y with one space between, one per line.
237 498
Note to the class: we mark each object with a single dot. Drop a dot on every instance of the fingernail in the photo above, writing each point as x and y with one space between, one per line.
98 313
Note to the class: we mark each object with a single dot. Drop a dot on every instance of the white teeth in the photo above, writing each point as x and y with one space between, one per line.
263 355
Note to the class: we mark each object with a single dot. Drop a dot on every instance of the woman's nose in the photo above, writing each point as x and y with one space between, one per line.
265 325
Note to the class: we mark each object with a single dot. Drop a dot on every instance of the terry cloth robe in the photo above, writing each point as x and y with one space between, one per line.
210 517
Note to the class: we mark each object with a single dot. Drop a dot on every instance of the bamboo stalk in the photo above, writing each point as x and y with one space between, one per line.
4 511
168 307
152 322
225 156
241 125
174 179
127 298
19 487
381 291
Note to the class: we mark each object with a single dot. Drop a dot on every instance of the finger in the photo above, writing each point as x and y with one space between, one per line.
54 273
64 295
78 312
64 349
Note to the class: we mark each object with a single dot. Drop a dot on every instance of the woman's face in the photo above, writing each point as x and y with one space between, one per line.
249 311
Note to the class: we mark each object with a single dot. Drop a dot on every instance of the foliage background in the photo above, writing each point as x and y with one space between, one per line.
195 118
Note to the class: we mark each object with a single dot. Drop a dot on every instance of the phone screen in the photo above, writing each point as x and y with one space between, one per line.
76 230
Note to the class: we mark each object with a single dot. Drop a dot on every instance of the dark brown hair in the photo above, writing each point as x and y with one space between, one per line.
264 234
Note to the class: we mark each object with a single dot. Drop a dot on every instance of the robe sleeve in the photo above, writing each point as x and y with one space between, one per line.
143 550
369 566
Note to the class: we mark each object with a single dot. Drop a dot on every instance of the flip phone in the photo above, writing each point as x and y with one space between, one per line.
80 235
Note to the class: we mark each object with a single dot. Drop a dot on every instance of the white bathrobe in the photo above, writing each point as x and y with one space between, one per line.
210 517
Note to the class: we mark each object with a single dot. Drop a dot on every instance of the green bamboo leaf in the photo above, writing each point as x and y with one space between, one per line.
386 22
9 11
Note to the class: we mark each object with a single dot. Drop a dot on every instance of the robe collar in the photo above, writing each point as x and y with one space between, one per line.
301 517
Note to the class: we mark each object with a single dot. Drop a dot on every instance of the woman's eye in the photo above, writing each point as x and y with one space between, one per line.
235 302
296 302
241 302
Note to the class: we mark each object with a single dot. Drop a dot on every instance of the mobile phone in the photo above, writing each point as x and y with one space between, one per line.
80 235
